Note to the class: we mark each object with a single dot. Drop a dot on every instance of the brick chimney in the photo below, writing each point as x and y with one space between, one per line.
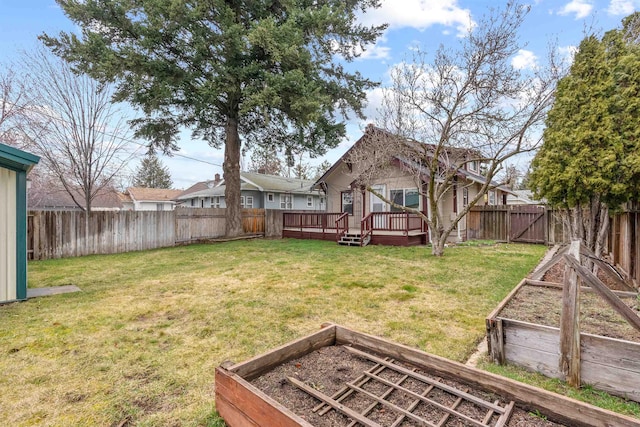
216 179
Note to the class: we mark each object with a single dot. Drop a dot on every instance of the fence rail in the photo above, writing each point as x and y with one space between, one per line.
62 234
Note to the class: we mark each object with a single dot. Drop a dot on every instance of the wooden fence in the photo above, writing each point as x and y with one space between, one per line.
61 234
623 242
528 224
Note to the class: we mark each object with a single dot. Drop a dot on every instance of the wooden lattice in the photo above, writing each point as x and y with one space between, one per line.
487 413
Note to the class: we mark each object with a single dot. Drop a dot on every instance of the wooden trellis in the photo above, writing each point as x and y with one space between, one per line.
493 413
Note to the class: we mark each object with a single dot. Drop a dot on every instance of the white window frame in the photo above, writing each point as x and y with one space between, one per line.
473 166
248 202
270 197
465 197
215 201
492 198
404 197
286 201
309 201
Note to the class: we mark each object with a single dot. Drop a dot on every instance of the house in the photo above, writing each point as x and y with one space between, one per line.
369 217
14 166
256 191
149 199
522 197
49 195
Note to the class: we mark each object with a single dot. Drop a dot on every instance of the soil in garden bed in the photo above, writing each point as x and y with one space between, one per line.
540 305
330 368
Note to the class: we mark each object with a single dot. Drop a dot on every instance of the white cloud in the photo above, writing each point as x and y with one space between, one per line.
622 7
420 14
375 52
581 8
525 59
567 53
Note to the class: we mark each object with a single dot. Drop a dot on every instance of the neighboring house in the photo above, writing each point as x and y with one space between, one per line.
256 191
399 185
49 196
149 199
522 197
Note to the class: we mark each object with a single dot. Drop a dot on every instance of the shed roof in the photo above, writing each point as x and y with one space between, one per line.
13 158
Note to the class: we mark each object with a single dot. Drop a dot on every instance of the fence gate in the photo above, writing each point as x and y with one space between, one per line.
528 224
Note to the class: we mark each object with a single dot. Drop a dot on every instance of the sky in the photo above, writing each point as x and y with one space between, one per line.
412 23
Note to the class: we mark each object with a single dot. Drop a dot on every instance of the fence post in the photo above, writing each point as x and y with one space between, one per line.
570 320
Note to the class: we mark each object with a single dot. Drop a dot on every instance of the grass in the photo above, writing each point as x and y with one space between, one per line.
141 341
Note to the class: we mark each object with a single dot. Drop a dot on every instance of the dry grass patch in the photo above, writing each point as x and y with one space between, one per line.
141 341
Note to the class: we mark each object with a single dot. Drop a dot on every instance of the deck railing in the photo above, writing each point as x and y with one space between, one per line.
342 225
391 221
325 221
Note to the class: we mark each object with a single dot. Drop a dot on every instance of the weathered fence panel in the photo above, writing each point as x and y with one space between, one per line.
529 223
199 224
61 234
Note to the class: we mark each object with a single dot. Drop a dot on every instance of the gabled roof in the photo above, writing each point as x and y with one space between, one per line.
371 129
141 194
255 182
54 196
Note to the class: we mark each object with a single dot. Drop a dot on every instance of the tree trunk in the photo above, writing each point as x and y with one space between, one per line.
231 171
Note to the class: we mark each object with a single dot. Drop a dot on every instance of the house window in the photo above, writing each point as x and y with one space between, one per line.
347 202
492 198
455 198
309 201
160 206
286 201
215 202
248 202
465 197
202 202
408 197
270 197
473 166
193 202
504 198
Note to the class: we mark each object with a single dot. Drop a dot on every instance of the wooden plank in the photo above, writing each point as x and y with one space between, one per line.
570 320
538 274
426 380
447 409
412 406
336 405
587 289
625 311
504 419
257 365
244 404
496 341
606 267
558 408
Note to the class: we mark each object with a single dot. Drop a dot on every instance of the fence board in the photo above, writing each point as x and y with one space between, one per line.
61 234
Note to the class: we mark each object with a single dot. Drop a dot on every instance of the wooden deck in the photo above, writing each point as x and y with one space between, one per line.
378 228
380 237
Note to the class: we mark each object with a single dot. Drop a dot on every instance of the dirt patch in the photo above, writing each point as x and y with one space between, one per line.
330 368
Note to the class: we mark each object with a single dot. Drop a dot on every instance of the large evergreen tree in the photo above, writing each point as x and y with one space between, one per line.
590 160
152 173
232 70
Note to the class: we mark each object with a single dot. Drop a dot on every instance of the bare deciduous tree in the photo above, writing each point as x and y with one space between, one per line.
13 102
72 124
465 106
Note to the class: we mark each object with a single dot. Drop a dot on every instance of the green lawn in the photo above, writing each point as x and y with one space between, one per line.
141 341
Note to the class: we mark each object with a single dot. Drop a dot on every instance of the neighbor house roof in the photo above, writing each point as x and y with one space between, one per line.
141 194
49 195
255 182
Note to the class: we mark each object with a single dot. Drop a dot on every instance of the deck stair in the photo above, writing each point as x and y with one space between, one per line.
350 239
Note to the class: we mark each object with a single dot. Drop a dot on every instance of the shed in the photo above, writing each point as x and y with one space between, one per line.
14 166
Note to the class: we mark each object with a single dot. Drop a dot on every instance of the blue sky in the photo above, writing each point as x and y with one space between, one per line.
424 23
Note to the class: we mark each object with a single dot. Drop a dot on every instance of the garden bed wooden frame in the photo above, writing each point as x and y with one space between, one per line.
608 364
242 404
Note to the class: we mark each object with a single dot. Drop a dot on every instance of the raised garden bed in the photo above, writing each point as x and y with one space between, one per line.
304 383
525 330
